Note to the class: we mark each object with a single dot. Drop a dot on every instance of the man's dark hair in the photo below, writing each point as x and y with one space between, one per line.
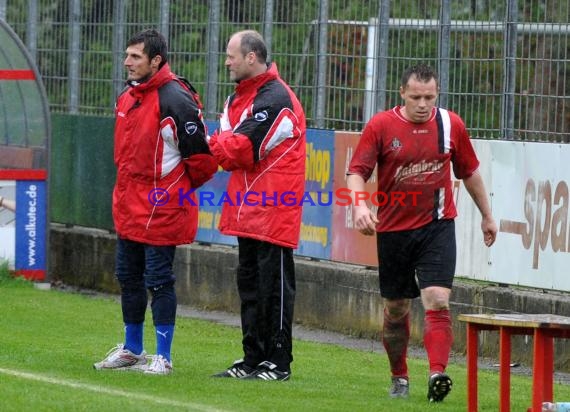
252 41
422 72
154 44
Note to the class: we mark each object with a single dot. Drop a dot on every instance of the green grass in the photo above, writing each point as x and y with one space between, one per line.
50 339
9 281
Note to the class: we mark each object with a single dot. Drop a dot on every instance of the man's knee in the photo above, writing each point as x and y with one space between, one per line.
436 298
161 289
396 309
131 283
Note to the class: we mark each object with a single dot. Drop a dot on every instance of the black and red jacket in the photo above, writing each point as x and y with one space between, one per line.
262 141
160 154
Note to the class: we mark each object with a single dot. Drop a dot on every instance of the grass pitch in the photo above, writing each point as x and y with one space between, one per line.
50 339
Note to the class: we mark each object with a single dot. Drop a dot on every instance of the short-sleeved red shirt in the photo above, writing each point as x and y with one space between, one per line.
414 166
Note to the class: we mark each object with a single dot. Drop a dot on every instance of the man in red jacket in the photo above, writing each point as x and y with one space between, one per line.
161 154
261 140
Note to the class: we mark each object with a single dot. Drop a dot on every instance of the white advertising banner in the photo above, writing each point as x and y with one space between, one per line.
528 184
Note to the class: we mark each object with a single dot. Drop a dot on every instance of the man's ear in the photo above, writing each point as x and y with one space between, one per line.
251 57
155 61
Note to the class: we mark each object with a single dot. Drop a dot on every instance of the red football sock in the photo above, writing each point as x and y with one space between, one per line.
438 337
395 337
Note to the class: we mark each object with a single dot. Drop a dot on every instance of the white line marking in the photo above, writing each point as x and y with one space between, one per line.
108 391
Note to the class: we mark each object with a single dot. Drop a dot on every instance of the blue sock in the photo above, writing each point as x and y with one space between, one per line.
134 337
164 335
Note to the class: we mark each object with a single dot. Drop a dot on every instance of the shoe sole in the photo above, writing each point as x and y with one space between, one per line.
439 388
136 367
148 372
141 361
269 377
403 394
234 374
232 377
400 395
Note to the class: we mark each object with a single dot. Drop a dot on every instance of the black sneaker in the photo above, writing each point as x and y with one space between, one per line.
439 385
400 388
238 370
268 371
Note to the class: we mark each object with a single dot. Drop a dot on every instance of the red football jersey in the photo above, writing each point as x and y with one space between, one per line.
414 166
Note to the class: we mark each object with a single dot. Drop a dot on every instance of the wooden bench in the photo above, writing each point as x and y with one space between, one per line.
543 327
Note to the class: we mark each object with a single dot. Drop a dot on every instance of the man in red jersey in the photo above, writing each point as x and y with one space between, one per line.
414 146
261 140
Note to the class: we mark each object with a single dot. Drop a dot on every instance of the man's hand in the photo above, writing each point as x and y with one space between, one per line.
364 220
489 229
476 188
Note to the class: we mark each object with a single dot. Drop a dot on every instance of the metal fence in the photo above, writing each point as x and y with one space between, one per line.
503 64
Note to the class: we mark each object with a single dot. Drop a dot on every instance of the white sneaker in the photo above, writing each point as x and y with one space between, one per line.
159 366
121 358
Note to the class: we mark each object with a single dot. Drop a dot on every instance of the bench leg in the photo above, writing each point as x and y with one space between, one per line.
472 354
504 370
543 367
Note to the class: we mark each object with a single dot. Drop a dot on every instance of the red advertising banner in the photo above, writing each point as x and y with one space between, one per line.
348 244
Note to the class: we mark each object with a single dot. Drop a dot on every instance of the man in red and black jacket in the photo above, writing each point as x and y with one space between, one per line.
161 154
261 140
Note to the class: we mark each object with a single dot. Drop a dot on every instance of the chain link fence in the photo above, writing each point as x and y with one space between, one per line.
503 65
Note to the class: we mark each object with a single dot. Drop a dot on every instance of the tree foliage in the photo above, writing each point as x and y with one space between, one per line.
476 58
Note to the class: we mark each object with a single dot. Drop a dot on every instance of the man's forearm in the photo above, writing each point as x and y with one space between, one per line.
476 188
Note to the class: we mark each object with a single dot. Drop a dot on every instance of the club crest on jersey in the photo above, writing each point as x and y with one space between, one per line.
261 116
396 144
190 128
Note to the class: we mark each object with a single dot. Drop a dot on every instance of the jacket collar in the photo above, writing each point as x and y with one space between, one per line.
255 82
164 75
